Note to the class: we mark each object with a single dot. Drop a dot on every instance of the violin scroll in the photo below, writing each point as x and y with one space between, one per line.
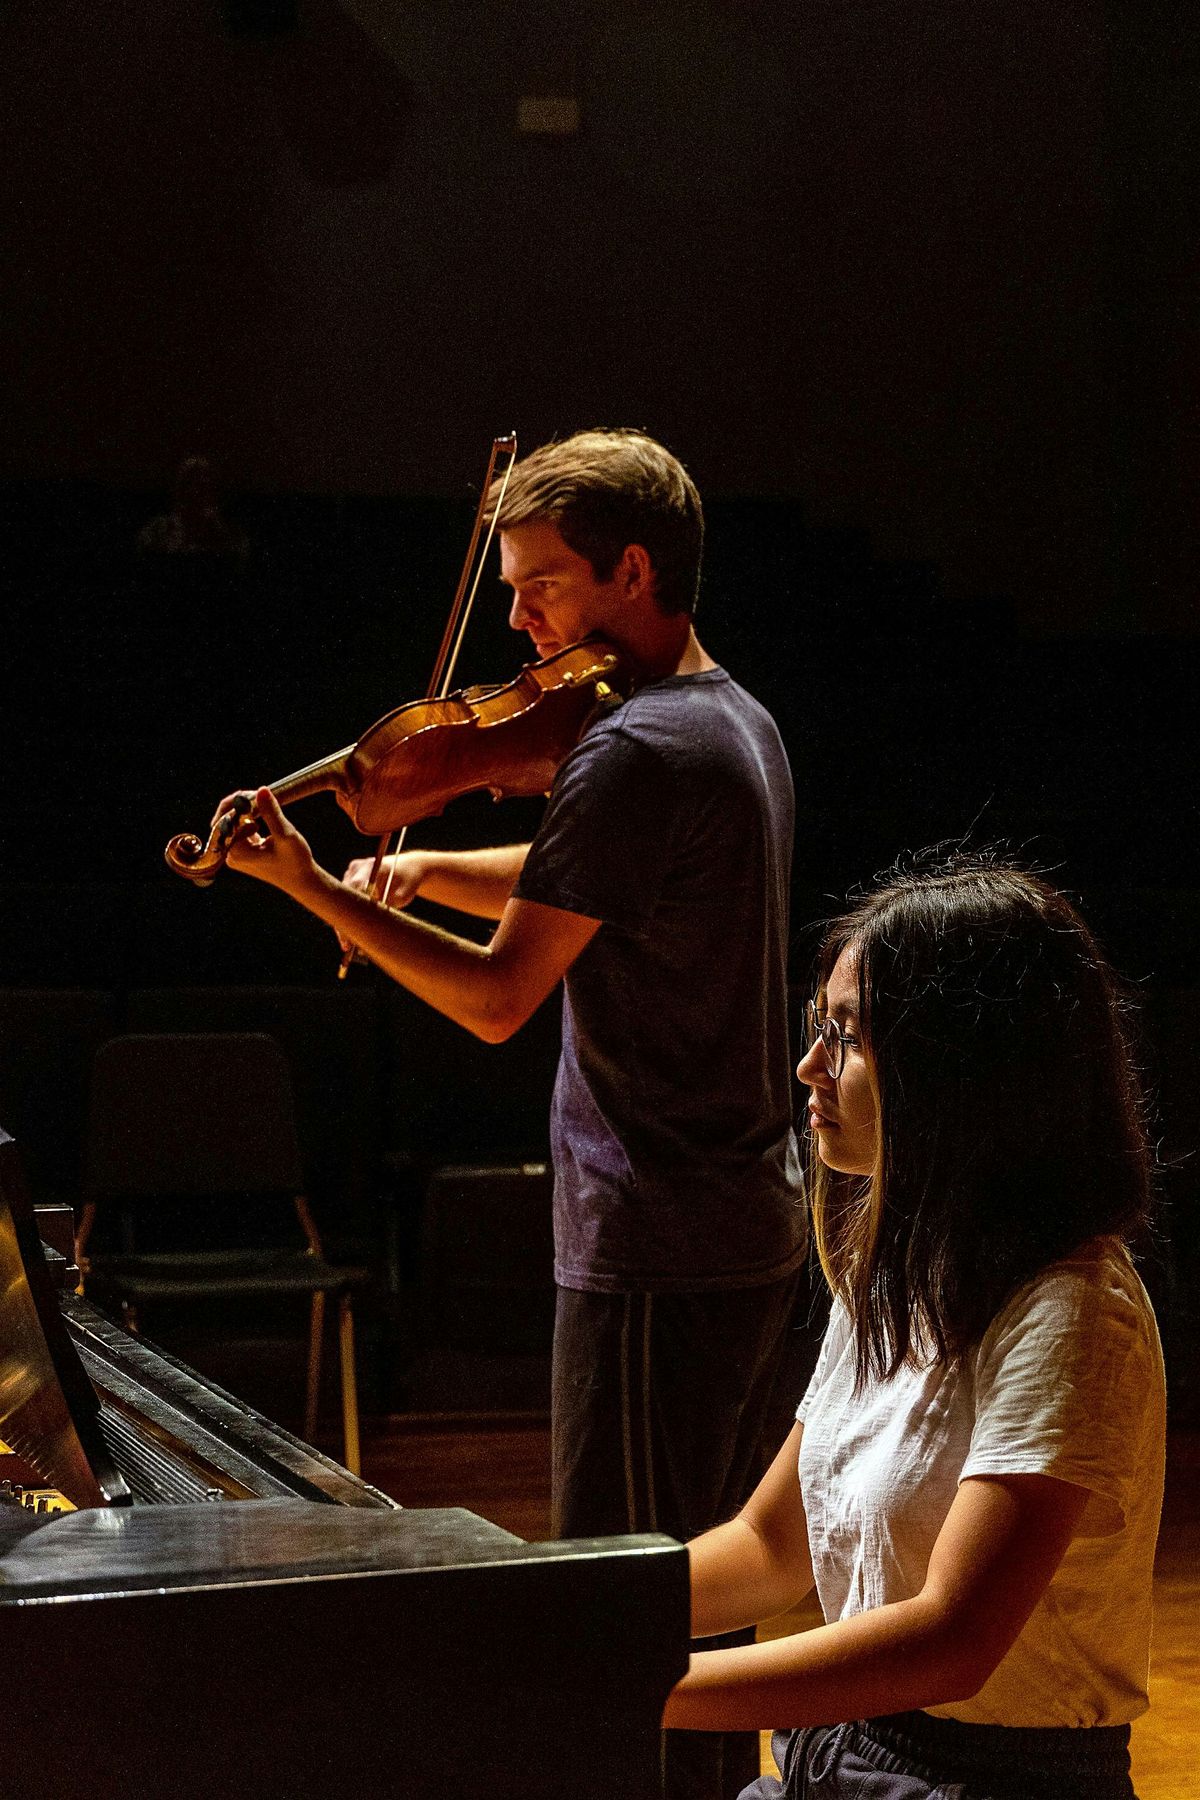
198 862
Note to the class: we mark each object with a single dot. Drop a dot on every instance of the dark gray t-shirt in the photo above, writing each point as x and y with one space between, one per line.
675 1161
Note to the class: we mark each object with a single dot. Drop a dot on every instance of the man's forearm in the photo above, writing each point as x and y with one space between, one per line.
489 989
449 973
478 882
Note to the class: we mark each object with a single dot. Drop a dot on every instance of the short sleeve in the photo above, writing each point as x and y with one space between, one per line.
605 841
1065 1376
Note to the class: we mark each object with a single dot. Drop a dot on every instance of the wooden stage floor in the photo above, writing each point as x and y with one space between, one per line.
499 1467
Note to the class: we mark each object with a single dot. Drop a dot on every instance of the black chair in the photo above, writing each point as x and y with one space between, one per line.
330 1037
207 1121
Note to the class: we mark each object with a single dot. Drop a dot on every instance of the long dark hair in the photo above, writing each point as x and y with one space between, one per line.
1011 1121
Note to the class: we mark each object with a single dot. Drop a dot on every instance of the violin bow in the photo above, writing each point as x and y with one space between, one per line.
447 657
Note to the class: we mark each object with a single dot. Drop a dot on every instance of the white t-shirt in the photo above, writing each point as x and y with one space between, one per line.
1068 1381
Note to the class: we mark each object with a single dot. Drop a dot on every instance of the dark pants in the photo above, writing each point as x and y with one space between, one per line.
912 1756
658 1412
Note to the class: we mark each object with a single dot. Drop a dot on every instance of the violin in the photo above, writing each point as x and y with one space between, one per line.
507 740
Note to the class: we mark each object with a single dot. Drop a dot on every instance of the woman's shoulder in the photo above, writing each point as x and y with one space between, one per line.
1068 1381
1101 1270
1093 1293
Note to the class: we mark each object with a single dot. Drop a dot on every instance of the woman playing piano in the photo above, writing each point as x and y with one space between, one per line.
974 1481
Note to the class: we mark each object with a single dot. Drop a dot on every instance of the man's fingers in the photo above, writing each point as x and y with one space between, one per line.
230 803
254 830
270 812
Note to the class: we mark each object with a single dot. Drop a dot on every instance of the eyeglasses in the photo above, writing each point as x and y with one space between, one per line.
833 1038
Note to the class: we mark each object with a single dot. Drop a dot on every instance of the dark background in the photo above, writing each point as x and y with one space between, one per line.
911 289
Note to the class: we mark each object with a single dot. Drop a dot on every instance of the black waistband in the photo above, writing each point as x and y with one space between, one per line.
1004 1753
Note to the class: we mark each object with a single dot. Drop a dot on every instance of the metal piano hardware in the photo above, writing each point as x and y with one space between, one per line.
239 1616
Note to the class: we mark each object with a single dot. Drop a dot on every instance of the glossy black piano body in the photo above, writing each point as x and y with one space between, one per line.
285 1648
256 1622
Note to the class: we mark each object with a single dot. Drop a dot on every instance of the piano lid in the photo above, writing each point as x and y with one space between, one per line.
49 1413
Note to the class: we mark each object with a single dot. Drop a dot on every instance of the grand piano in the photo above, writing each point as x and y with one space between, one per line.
195 1603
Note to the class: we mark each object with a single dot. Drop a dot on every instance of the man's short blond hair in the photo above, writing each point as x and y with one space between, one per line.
605 490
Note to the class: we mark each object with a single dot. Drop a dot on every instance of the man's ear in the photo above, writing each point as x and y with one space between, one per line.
635 570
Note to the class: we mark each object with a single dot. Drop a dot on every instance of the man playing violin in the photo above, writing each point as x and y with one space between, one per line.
657 889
